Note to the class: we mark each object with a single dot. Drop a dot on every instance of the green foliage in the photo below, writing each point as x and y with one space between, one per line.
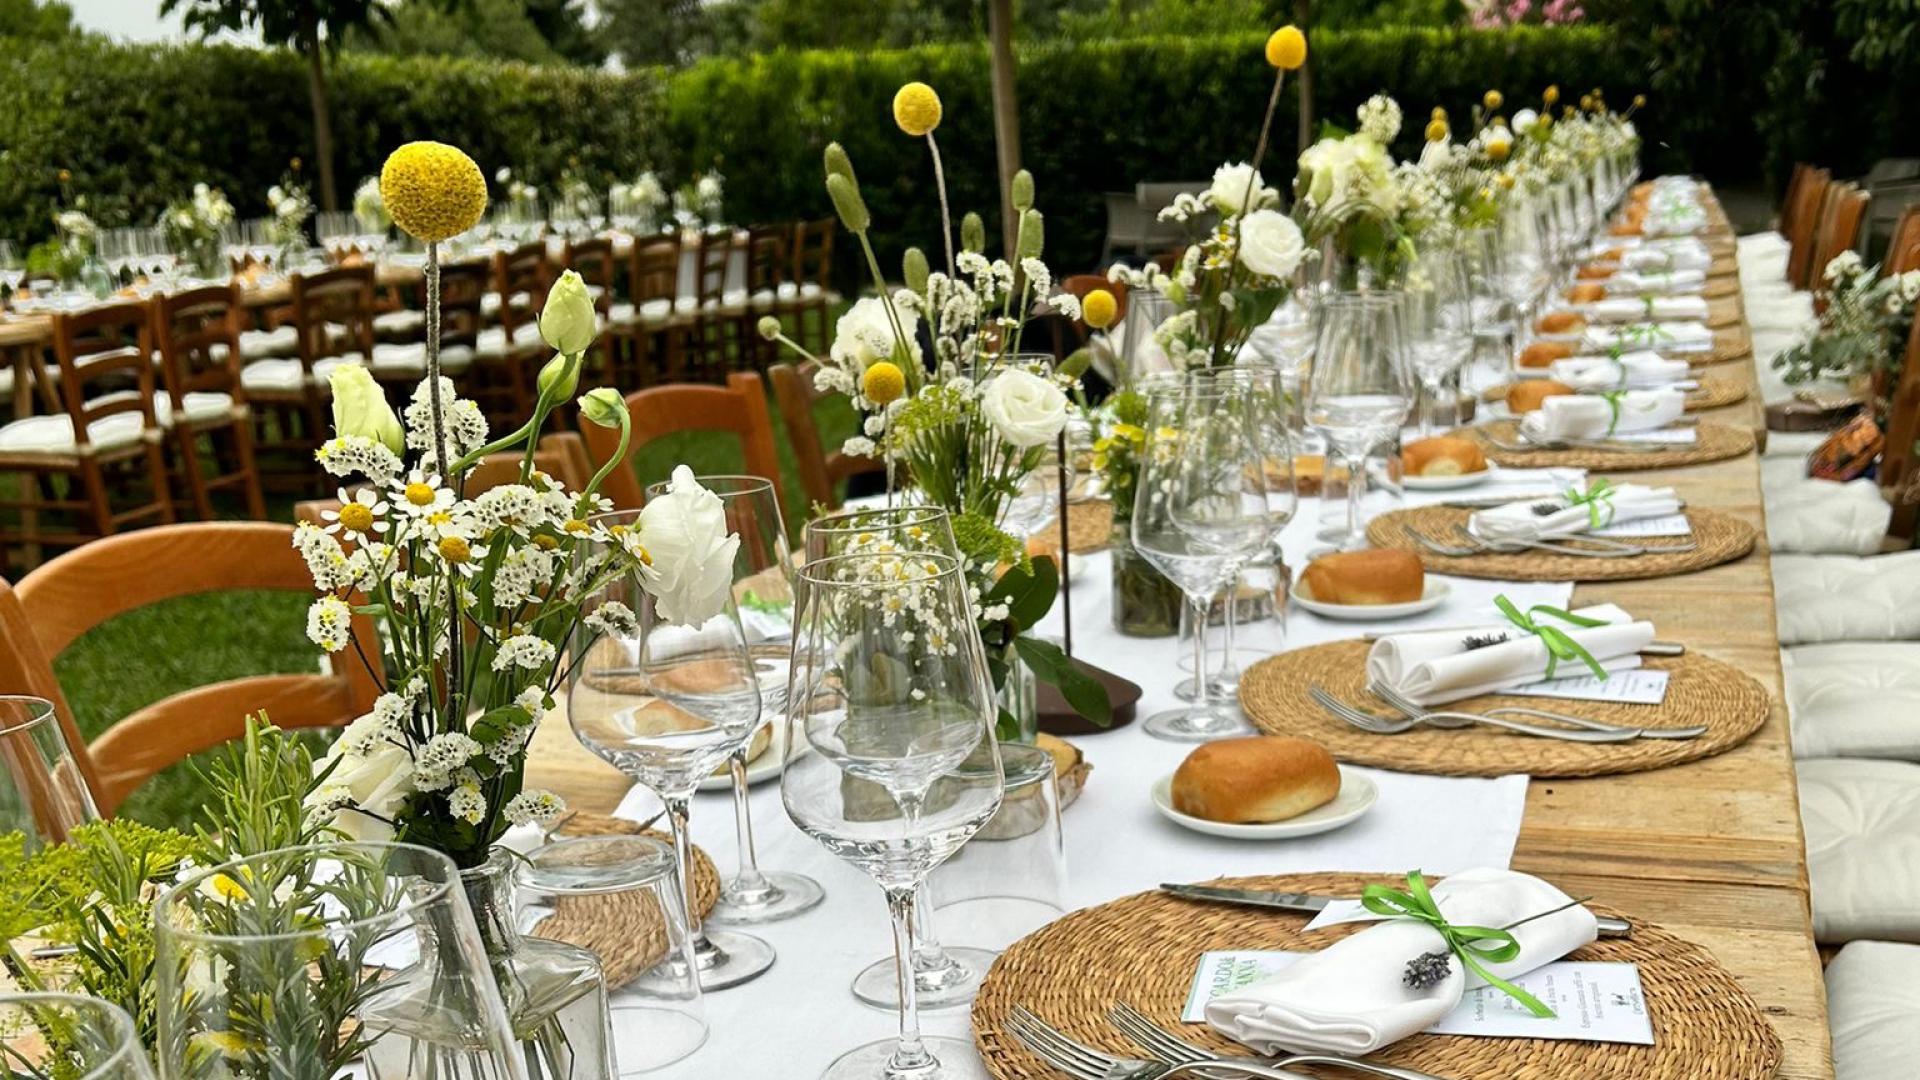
496 29
34 20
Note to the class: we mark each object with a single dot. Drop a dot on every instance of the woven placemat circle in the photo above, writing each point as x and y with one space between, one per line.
625 930
1143 950
1089 528
1729 343
1700 690
1721 285
1717 538
1716 442
1724 312
1712 393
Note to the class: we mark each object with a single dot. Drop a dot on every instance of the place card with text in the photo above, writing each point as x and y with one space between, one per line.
1634 686
1664 525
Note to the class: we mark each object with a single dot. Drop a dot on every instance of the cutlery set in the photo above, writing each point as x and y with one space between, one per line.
1577 729
1603 547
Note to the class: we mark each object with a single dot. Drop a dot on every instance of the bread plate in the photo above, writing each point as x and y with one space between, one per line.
1436 594
765 766
1447 483
1357 796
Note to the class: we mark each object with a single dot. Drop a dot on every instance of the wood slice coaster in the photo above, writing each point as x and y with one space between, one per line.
625 930
1712 393
1143 950
1731 705
1716 442
1089 528
1717 538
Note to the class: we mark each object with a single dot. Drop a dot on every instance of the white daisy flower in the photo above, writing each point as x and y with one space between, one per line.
533 807
420 493
359 513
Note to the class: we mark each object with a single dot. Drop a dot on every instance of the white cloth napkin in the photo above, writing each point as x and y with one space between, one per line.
1433 667
1519 521
1666 337
1673 259
1626 309
1351 998
1657 282
1633 371
1591 416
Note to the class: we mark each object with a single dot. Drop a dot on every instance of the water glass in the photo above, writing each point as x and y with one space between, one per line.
49 1035
1361 389
43 788
1011 878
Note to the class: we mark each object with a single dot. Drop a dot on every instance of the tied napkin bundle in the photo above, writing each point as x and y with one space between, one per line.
1670 258
1657 281
1573 513
1637 370
1358 994
1666 337
1626 309
1596 416
1433 667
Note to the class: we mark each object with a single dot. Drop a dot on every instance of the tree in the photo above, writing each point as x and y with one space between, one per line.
36 21
312 28
477 29
671 32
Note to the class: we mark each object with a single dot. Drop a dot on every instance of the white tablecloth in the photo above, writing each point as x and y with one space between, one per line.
800 1015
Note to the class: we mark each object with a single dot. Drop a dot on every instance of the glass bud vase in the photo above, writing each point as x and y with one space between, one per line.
554 994
1019 702
1145 603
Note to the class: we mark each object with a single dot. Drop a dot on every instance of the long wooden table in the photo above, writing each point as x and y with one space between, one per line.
1712 850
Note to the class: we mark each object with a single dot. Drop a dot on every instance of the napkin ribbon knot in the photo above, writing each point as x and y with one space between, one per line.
1613 399
1598 499
1472 944
1560 646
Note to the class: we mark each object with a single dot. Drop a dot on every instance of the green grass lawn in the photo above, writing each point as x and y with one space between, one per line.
145 655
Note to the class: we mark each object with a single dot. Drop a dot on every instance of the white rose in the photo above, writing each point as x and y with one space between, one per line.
1524 120
865 335
1024 408
1270 243
380 782
1230 186
685 533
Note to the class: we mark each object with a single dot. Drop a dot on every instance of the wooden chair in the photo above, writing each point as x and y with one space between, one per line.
716 341
80 590
812 277
1839 231
739 407
333 324
648 329
107 425
508 354
463 293
1789 201
1806 225
769 270
821 471
1899 463
198 333
1903 248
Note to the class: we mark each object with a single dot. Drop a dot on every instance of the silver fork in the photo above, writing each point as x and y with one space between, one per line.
1083 1062
1381 725
1163 1044
1408 708
1527 446
1477 546
1607 545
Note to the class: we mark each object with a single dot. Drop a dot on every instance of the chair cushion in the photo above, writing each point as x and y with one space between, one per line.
399 323
280 341
1862 820
493 340
1821 517
52 435
284 375
1855 699
1873 998
1847 598
410 358
1761 243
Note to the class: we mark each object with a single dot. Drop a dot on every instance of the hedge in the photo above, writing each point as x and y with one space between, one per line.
137 125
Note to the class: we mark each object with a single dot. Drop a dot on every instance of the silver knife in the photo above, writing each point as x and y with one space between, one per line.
1309 903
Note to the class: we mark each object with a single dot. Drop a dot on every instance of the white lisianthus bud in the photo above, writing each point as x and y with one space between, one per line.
560 377
568 322
603 406
360 408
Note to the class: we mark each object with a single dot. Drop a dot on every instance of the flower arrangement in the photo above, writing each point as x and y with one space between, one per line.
643 199
290 206
1866 322
476 593
370 207
192 227
576 198
936 371
65 254
701 201
1349 199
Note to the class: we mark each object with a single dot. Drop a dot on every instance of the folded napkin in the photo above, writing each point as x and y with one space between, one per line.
1661 337
1626 309
1352 998
1656 282
1601 505
1596 416
1634 370
1433 667
1649 258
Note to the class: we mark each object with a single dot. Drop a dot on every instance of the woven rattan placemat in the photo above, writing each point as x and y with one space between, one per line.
1089 528
1701 690
626 930
1717 538
1715 442
1143 950
1713 393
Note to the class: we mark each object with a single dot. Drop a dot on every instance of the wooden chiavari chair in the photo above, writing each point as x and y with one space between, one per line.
716 340
510 353
198 334
1806 227
821 470
333 324
648 329
1789 201
812 279
1839 231
738 408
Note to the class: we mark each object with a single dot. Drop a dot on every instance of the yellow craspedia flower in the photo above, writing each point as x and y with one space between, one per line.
1493 100
433 191
1287 48
1439 113
1436 130
1551 96
916 108
1099 309
883 383
1639 101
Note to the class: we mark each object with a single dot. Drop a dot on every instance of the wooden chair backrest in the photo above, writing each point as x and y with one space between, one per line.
64 598
716 251
593 260
463 288
653 270
821 470
1839 231
112 345
1789 201
524 271
1806 226
1903 249
197 333
738 408
769 260
813 251
1899 464
342 297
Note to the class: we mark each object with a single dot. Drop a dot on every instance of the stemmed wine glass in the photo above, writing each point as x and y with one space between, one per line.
1200 511
891 762
1360 392
1524 270
668 704
763 589
1437 316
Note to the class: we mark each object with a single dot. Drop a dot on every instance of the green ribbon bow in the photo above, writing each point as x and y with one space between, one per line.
1598 499
1559 645
1649 302
1472 944
1613 399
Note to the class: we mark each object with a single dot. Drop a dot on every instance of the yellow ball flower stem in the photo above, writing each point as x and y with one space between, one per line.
456 684
1246 203
946 215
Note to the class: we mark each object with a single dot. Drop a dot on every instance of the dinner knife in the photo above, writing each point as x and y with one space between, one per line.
1309 903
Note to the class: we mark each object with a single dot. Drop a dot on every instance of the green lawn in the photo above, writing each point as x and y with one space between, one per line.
146 655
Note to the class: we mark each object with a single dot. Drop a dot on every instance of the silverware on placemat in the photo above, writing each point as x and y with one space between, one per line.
1604 547
1167 1046
1310 904
1385 725
1083 1062
1407 707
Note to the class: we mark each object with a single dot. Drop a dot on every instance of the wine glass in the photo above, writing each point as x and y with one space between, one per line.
763 589
667 706
43 788
299 961
1200 512
1140 354
1360 392
1436 313
1524 266
69 1035
891 762
879 531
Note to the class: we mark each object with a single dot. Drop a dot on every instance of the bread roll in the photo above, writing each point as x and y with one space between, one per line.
1595 273
1586 292
1309 472
1374 576
1255 780
1543 353
1525 396
1443 455
1561 322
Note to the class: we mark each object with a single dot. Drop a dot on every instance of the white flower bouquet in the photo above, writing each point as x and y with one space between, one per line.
192 228
1863 328
290 206
370 208
1349 199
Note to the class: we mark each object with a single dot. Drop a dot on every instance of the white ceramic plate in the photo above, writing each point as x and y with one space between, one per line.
764 767
1447 483
1435 595
1357 796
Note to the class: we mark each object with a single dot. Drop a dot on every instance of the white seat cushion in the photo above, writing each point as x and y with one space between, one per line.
1873 1009
410 358
1862 820
280 341
52 434
284 375
1854 699
400 323
1844 598
1761 243
493 340
1821 517
1794 444
490 303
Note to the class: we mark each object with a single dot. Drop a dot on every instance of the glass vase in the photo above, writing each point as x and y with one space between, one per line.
554 993
1145 603
1019 700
